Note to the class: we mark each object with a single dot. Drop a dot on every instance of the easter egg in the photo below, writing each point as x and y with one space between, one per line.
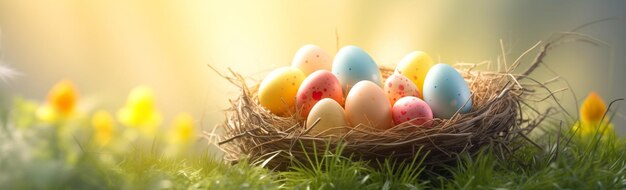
311 58
331 115
367 104
320 84
352 64
411 108
398 86
278 90
446 92
415 66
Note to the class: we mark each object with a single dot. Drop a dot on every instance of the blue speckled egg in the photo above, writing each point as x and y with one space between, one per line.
446 91
352 64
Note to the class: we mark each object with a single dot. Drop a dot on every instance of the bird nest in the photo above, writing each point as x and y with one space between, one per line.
497 119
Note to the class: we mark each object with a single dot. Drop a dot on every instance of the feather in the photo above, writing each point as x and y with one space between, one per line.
7 73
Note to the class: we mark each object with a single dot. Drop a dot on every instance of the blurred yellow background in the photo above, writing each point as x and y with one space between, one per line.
107 47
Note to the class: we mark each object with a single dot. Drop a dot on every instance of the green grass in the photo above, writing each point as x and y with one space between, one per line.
35 157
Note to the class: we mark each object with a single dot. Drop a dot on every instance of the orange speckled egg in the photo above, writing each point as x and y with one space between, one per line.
398 86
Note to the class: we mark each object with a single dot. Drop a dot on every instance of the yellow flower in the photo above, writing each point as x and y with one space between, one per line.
103 127
183 130
140 110
593 108
591 121
61 102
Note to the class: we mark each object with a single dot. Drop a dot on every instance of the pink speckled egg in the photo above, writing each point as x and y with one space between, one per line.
398 86
367 104
311 58
318 85
411 108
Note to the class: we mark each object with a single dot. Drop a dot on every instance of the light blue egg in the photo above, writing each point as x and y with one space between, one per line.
352 64
446 91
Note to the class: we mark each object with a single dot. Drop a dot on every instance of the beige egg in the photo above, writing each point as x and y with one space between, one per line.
311 58
367 104
331 118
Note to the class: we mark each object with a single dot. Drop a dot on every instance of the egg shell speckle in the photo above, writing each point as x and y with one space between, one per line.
446 91
412 109
320 84
367 104
352 64
311 58
398 86
278 90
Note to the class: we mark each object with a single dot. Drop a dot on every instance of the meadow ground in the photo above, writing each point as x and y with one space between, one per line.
39 156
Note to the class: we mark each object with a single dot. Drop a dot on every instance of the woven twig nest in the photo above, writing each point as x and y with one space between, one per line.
496 119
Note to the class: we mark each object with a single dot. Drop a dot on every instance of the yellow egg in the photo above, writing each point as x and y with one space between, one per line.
331 116
415 66
277 92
